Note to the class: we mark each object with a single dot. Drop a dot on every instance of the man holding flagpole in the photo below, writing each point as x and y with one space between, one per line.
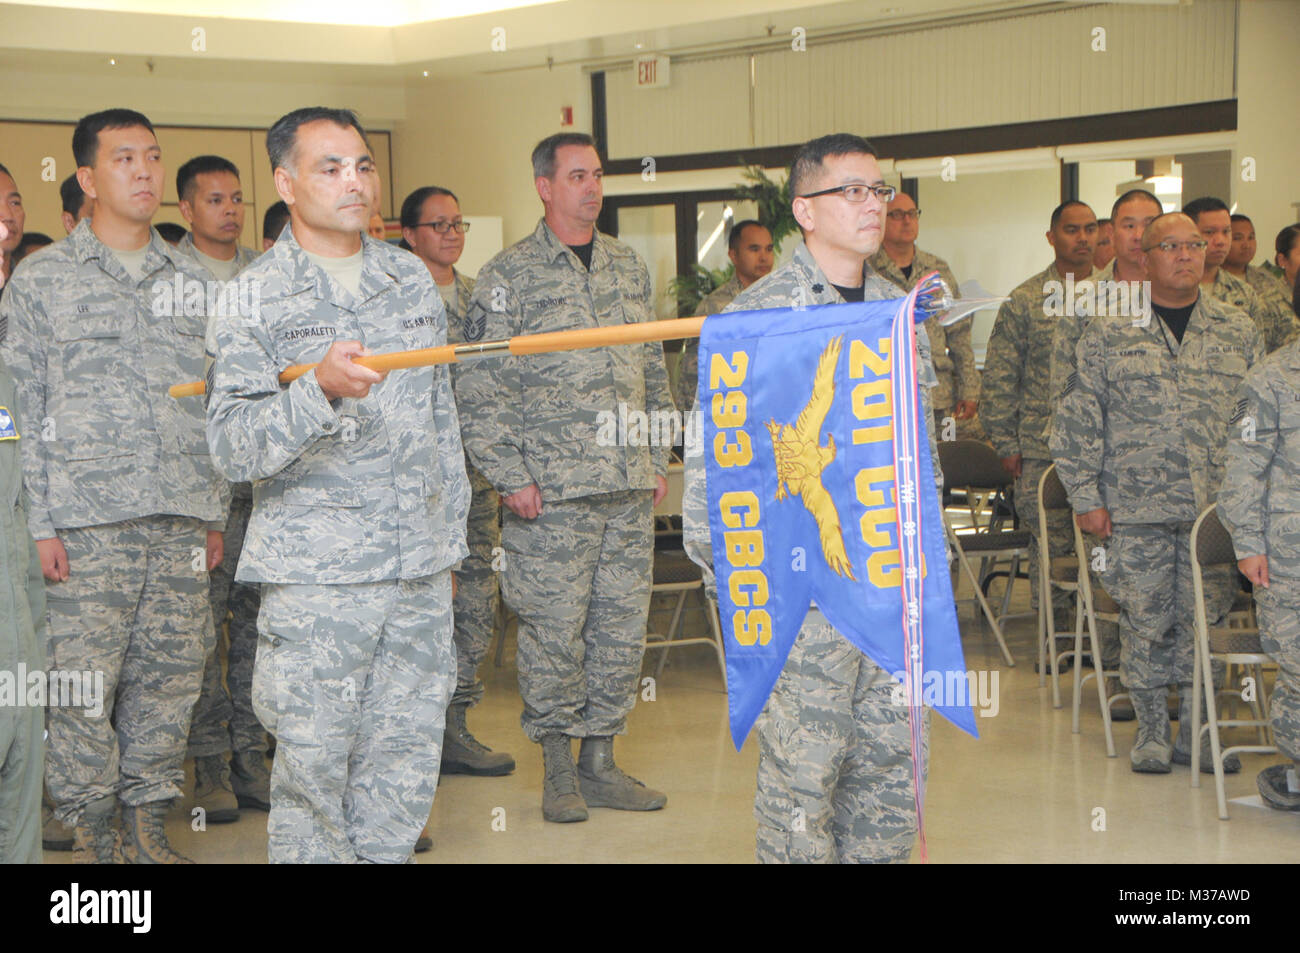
835 773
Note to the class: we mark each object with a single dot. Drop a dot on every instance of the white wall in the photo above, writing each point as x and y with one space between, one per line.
474 136
1267 130
992 227
1014 69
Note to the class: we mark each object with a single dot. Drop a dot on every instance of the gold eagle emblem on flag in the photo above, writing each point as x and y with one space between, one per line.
800 460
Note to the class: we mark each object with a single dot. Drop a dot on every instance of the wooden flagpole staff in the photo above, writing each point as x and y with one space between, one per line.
519 345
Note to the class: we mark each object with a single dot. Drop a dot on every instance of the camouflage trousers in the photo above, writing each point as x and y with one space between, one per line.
478 593
1060 534
136 609
353 681
1107 631
1149 575
835 758
578 578
223 717
1279 633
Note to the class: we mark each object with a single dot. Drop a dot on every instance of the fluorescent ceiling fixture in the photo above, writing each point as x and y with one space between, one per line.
1166 184
380 13
1138 148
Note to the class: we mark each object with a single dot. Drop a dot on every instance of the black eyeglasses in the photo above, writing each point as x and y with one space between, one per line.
903 214
442 227
857 194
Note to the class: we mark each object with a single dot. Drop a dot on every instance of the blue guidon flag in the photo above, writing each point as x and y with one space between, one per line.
821 490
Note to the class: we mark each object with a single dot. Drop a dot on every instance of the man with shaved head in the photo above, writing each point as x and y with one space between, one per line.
1139 439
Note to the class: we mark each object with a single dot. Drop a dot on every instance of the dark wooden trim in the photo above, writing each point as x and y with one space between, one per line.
1069 181
688 233
599 114
607 221
1215 116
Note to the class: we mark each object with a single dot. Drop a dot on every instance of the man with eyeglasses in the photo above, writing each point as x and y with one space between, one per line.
751 250
1017 406
1274 320
432 225
1140 442
835 759
957 395
578 534
1129 217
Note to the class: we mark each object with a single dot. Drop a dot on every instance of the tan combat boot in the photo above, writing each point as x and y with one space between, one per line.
561 801
604 784
1151 751
212 790
462 753
95 839
145 840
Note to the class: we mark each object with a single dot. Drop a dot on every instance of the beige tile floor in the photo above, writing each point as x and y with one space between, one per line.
1026 790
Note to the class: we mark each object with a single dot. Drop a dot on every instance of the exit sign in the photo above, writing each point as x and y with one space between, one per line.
651 72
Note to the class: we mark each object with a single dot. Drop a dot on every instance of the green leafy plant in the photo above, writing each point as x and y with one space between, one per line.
690 290
773 203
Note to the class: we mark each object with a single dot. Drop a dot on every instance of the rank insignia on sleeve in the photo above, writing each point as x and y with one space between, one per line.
1239 412
1070 383
475 324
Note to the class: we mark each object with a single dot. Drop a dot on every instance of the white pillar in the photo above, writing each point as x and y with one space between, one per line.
1268 124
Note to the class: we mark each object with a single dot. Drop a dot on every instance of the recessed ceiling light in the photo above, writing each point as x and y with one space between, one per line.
112 62
426 72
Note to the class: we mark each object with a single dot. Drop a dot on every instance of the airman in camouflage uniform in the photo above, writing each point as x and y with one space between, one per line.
477 597
224 721
752 253
835 758
835 777
1130 215
1271 313
1017 407
359 504
1265 284
577 533
125 505
1139 440
1259 505
958 391
22 642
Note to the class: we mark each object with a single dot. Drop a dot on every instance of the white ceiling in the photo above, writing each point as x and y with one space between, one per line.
401 39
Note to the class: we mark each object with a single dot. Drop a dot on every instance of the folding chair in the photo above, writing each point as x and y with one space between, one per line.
1097 604
1212 546
1069 573
973 465
674 572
